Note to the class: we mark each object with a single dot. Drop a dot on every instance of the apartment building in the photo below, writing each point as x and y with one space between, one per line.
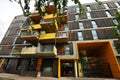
69 46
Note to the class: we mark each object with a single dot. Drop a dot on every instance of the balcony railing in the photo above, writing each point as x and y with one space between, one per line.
34 26
62 37
29 51
29 35
46 50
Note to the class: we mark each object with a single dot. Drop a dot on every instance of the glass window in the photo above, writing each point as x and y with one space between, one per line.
89 16
80 36
115 21
94 24
77 17
81 25
64 34
47 69
94 33
117 5
88 8
67 49
77 10
106 6
32 65
108 14
66 27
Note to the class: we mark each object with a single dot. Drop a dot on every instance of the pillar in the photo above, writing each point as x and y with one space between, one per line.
59 68
75 68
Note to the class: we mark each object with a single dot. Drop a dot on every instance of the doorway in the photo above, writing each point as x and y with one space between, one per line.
98 59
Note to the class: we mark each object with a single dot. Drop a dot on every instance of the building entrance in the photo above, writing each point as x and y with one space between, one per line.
97 59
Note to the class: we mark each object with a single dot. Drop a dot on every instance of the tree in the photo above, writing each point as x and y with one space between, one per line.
117 25
42 6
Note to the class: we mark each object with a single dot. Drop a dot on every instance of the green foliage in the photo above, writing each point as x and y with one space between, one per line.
117 28
41 5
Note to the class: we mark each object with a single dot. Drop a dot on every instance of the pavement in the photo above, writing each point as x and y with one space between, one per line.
6 76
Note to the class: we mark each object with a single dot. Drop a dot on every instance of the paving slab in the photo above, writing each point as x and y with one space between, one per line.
6 76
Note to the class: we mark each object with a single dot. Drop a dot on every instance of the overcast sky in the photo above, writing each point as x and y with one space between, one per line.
8 10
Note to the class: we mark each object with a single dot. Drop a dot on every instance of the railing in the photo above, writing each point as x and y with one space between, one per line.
29 33
41 50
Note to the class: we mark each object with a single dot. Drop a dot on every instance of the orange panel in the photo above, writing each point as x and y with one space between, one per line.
39 63
102 50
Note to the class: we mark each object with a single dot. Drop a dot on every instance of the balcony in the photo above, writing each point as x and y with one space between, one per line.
46 50
29 51
42 50
49 25
47 38
62 37
35 17
34 26
29 35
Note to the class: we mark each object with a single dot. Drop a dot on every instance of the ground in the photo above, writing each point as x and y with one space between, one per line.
6 76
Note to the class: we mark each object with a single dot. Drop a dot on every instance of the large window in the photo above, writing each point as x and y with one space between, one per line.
94 24
81 25
106 6
67 49
108 14
64 34
32 64
77 10
117 5
88 8
80 36
88 15
66 27
77 17
94 33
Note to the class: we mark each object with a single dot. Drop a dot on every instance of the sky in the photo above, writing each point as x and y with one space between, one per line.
8 10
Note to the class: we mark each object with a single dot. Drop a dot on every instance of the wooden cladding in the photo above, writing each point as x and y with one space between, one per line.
73 25
97 7
87 24
8 40
73 36
72 9
104 22
111 5
13 31
105 34
87 35
5 50
113 12
61 49
19 40
97 14
71 17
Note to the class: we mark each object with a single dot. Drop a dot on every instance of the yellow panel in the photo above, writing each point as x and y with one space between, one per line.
59 68
80 74
49 16
35 26
47 36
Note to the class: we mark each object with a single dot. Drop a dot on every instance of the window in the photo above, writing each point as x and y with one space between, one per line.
117 5
106 6
118 10
66 27
94 24
77 10
77 17
94 33
18 64
67 49
88 16
108 14
88 8
115 21
81 25
80 36
64 34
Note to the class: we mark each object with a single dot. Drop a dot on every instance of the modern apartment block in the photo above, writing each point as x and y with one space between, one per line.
69 46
